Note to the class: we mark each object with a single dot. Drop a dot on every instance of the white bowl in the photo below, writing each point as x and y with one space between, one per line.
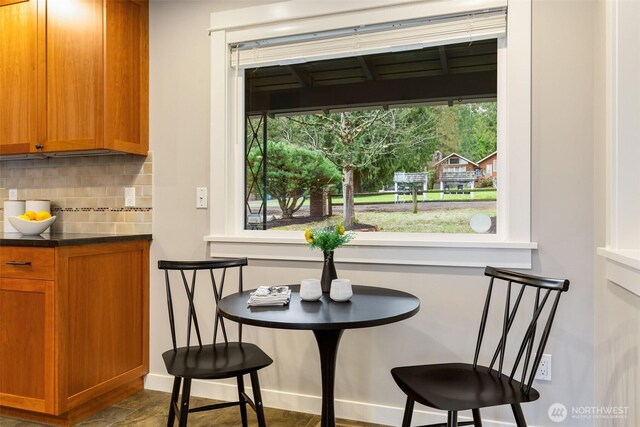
31 228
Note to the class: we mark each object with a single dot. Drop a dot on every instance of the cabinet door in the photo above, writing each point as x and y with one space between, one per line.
126 76
18 78
27 344
104 331
72 108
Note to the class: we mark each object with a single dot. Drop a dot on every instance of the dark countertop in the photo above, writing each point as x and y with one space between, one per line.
66 239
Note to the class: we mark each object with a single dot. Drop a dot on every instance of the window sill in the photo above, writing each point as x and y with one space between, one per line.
393 252
622 267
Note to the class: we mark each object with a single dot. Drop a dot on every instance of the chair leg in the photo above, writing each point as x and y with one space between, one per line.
408 412
477 420
257 399
519 416
184 404
241 399
174 401
452 419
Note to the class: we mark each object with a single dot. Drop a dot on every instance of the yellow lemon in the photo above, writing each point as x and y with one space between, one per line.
42 215
31 215
23 216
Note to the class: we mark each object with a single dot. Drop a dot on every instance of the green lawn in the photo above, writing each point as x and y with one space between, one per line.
389 198
437 221
432 197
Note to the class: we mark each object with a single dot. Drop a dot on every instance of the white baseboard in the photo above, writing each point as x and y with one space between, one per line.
361 411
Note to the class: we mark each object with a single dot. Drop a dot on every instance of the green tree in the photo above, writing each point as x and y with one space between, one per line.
478 129
350 140
292 172
411 148
447 129
467 129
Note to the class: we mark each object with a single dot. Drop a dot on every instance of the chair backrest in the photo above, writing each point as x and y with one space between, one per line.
543 289
184 274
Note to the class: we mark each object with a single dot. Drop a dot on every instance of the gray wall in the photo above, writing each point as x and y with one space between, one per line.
563 204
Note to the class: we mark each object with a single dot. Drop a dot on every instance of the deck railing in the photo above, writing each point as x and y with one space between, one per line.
457 176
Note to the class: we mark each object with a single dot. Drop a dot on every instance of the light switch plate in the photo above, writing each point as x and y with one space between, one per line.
201 197
13 194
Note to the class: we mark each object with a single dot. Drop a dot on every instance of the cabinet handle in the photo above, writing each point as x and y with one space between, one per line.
18 262
39 146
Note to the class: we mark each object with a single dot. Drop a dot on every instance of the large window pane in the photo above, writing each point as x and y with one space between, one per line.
373 163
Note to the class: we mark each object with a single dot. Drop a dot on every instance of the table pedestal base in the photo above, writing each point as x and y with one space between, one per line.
328 341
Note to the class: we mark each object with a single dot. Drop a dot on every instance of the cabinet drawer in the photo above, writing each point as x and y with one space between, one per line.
26 263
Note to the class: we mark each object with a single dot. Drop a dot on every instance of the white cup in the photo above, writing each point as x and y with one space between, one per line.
341 290
38 205
310 289
12 208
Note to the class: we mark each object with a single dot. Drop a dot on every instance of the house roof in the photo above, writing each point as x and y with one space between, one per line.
486 157
457 155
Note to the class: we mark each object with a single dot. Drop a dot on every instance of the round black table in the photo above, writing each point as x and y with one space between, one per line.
369 306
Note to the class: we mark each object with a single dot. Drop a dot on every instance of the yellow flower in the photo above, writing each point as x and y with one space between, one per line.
327 238
308 235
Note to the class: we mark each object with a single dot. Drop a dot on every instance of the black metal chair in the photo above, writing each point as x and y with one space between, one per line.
209 361
455 387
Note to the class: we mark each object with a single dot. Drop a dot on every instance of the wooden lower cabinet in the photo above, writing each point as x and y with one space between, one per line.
27 344
73 340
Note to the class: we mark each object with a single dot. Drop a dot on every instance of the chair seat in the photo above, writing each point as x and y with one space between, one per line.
215 362
458 387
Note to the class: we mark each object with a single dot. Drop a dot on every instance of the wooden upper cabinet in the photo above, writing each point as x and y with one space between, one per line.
72 108
90 76
18 78
127 76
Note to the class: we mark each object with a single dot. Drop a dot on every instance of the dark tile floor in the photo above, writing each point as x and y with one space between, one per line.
149 409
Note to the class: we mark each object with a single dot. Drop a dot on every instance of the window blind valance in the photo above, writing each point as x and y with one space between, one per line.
391 37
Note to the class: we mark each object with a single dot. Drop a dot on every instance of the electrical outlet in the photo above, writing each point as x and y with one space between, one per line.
129 196
201 197
13 194
544 368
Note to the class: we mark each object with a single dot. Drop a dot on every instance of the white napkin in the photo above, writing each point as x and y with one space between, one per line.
270 295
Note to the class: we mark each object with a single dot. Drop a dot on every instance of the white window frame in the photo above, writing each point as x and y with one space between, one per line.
510 247
622 253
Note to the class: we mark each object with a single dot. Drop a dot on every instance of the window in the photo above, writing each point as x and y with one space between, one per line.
373 126
267 36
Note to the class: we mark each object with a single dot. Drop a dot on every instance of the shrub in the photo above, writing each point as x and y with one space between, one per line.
484 182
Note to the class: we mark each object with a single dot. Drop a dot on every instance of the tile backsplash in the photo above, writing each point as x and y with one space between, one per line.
86 193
